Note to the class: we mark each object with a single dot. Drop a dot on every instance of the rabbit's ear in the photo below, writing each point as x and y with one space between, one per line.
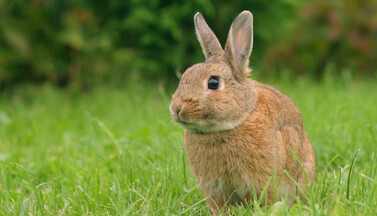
208 40
239 44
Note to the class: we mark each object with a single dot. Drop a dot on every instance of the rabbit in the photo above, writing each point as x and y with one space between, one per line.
240 136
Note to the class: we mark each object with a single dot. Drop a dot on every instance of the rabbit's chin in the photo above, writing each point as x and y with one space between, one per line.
201 126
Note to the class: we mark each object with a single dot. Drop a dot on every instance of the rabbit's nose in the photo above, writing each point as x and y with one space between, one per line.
174 111
178 110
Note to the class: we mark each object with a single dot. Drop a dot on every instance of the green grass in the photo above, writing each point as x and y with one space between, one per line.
115 151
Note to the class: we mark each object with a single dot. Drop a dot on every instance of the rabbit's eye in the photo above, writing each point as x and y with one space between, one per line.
213 83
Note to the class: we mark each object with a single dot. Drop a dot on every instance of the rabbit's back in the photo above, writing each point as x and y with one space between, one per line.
290 136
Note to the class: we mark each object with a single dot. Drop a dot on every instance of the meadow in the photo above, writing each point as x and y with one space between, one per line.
115 151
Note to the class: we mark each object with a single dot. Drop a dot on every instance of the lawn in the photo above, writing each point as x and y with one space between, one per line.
115 151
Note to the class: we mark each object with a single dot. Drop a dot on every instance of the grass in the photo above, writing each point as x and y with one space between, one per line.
115 151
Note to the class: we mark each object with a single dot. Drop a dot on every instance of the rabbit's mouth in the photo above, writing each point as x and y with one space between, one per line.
205 127
182 122
186 124
194 126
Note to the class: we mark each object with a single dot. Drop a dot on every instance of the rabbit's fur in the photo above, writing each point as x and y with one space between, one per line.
240 136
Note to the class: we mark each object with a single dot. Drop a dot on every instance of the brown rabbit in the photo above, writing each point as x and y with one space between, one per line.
239 134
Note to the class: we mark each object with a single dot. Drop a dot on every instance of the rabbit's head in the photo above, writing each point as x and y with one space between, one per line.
216 95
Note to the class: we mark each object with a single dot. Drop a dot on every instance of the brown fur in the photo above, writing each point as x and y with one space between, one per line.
239 137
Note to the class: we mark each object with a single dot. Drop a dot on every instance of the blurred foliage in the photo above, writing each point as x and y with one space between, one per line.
329 36
81 42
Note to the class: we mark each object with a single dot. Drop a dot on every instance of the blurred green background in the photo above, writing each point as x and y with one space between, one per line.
82 42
